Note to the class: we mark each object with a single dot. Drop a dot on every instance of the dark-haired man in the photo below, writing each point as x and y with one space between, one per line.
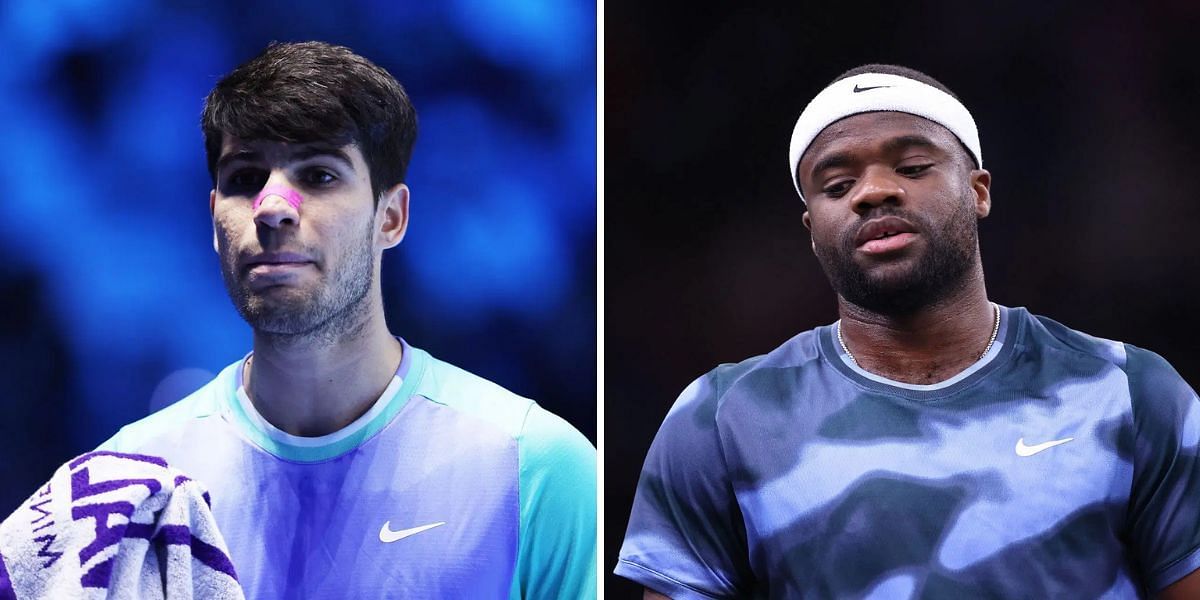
343 462
930 443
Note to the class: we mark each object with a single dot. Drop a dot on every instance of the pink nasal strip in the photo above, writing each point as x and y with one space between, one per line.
289 195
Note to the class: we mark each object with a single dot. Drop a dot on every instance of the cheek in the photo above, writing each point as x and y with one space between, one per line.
229 228
824 232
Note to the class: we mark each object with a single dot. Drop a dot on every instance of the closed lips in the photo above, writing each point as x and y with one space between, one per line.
283 258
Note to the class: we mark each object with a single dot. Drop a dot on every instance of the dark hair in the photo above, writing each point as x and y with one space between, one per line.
314 91
896 70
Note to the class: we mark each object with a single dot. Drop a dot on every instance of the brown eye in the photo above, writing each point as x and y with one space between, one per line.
838 189
244 181
319 177
911 170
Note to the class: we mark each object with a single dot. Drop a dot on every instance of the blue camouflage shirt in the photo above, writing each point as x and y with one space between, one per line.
1058 465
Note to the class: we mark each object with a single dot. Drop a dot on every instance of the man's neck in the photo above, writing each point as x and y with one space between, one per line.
927 346
318 385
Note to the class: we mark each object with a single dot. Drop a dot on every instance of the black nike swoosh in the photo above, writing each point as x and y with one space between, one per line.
863 89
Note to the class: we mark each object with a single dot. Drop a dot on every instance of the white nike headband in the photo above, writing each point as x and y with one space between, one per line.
872 92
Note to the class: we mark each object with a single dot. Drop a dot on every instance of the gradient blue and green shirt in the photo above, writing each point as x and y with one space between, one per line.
1058 465
449 486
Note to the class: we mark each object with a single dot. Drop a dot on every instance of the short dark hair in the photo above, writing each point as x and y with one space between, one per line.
906 72
913 74
313 91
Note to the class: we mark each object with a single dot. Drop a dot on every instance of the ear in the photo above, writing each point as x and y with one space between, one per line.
212 213
392 217
807 220
981 184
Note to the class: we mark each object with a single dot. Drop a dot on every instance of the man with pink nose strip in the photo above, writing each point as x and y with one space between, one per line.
292 197
342 461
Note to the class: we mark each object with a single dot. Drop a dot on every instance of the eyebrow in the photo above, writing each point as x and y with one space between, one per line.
303 153
891 146
239 155
308 152
904 142
833 161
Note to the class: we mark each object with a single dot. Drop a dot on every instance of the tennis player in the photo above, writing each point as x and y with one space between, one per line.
930 443
344 462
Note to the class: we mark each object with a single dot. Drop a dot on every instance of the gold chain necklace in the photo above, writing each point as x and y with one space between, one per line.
992 340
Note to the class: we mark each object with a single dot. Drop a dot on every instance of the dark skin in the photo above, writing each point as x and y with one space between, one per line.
872 164
866 174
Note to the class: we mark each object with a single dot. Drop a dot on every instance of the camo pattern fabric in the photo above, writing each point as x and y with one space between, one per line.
1059 465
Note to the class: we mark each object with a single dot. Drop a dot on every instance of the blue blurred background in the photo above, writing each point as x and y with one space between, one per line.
113 304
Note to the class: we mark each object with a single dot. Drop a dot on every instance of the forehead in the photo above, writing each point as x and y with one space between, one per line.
276 152
867 132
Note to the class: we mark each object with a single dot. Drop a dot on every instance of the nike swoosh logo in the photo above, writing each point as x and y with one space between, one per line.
1023 450
873 87
387 536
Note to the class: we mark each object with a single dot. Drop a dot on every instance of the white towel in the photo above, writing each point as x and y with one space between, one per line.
114 525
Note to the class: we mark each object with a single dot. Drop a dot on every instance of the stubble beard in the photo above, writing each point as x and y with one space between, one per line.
337 309
942 271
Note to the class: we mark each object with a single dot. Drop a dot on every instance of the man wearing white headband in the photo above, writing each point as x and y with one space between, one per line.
930 443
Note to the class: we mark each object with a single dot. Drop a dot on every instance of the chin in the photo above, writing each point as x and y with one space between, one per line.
273 311
894 302
899 293
896 288
280 322
891 274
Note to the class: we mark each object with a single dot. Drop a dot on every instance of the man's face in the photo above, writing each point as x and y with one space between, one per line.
291 269
893 206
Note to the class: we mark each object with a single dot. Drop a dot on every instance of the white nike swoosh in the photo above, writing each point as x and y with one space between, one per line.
388 536
1023 450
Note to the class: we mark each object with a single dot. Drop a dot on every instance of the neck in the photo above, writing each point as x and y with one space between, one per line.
317 383
926 346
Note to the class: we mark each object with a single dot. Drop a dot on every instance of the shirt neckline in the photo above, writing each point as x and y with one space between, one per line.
1009 329
301 449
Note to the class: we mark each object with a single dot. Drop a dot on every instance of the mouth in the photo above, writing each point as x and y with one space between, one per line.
275 258
271 268
276 267
885 234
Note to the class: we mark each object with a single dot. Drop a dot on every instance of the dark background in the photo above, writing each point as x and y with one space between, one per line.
111 301
1087 114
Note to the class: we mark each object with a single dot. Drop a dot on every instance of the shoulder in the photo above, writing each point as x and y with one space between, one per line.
1046 333
520 418
203 403
1164 406
1151 374
549 443
557 469
757 376
1151 380
473 396
799 352
1147 372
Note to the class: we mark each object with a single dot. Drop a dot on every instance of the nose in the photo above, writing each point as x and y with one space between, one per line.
877 186
276 206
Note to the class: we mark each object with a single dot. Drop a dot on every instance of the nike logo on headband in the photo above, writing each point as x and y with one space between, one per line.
863 89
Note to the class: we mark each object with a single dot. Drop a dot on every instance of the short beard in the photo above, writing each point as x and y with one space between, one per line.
942 271
336 310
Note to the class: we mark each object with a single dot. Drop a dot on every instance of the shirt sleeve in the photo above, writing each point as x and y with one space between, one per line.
1164 506
556 552
686 536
